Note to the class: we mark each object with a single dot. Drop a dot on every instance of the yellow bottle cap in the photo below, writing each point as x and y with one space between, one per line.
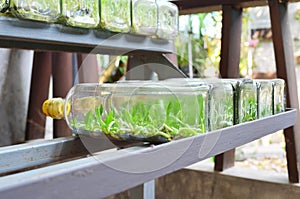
55 108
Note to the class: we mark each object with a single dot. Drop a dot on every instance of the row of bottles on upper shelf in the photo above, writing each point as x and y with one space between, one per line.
155 18
159 111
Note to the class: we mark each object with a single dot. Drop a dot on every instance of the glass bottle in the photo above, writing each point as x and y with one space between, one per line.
220 100
245 100
265 97
39 10
82 13
115 15
221 105
149 112
167 20
4 4
279 96
144 17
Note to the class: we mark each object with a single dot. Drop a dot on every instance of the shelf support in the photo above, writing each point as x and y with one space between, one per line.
229 64
231 42
283 49
62 83
87 68
145 66
39 88
144 191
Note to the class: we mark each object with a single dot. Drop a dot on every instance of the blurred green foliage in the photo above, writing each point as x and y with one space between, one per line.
206 43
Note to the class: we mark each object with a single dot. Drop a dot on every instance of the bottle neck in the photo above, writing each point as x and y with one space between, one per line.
55 108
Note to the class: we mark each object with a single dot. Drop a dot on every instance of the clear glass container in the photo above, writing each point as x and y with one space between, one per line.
82 13
144 17
279 96
220 100
134 112
221 105
116 15
265 98
245 100
167 20
39 10
4 4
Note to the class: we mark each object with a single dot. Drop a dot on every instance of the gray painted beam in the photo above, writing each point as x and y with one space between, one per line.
39 152
112 171
16 33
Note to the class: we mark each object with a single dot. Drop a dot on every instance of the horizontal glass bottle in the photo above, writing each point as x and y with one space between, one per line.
220 100
39 10
116 15
203 90
144 17
82 13
134 112
4 4
167 20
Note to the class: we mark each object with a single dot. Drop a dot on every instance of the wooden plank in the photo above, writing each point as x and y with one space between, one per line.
62 75
113 171
15 33
229 64
39 152
284 56
231 42
40 79
197 6
186 4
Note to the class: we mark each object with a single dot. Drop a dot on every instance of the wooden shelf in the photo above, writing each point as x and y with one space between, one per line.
15 33
112 171
192 6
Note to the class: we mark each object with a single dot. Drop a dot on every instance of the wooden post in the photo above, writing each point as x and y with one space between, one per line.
231 42
39 89
142 67
62 83
283 49
144 191
146 66
87 68
229 64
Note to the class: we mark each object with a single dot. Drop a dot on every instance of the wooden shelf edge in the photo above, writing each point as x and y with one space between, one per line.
25 34
112 171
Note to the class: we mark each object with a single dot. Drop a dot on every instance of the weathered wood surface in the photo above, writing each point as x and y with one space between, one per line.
112 171
39 90
24 34
62 75
285 67
229 64
198 6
